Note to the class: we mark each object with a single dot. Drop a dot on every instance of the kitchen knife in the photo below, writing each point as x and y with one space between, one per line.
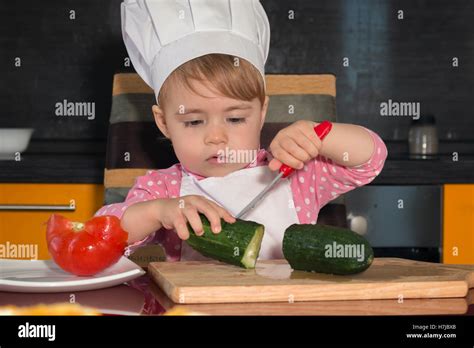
321 130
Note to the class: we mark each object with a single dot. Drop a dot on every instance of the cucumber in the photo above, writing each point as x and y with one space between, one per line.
326 249
238 243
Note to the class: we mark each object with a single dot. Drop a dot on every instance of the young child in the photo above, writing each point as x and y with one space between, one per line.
211 104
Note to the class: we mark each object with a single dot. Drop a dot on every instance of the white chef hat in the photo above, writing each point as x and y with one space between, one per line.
161 35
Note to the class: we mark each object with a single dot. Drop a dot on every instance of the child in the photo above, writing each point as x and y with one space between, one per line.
212 105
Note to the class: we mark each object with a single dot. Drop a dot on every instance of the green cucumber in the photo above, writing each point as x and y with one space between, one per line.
326 249
238 243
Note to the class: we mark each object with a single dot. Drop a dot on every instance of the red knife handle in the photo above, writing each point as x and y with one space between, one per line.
321 130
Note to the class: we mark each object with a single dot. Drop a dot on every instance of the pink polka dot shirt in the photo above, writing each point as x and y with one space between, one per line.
320 181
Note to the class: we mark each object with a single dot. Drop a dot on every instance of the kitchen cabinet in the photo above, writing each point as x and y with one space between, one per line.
458 224
25 208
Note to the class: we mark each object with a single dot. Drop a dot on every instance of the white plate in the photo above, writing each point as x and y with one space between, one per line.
46 276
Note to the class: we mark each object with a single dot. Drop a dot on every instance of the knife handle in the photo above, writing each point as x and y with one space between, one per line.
321 130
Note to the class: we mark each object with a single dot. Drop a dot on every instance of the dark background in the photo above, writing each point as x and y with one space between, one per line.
407 60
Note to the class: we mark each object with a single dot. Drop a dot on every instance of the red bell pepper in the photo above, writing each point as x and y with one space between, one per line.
86 248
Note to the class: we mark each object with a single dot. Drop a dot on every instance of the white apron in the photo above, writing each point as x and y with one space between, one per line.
234 191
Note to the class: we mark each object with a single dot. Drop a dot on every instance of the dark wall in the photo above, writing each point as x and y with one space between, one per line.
407 60
61 59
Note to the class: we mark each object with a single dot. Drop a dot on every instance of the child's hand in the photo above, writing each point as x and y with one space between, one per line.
295 145
176 212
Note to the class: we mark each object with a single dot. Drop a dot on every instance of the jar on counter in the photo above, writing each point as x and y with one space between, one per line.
423 137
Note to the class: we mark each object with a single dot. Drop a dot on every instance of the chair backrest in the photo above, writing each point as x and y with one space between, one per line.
135 144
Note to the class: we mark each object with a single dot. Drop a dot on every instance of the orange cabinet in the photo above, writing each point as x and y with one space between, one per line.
24 209
458 224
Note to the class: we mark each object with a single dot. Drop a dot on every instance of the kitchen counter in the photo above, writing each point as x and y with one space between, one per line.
142 297
402 170
54 168
84 162
57 162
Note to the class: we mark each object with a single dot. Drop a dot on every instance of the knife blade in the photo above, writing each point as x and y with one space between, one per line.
321 130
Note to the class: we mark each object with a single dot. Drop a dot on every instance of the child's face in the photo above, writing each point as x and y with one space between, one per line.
199 127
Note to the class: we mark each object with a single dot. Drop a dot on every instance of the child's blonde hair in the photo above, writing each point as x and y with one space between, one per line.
231 76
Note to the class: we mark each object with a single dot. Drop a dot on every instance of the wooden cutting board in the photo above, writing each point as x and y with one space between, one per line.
411 306
275 281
